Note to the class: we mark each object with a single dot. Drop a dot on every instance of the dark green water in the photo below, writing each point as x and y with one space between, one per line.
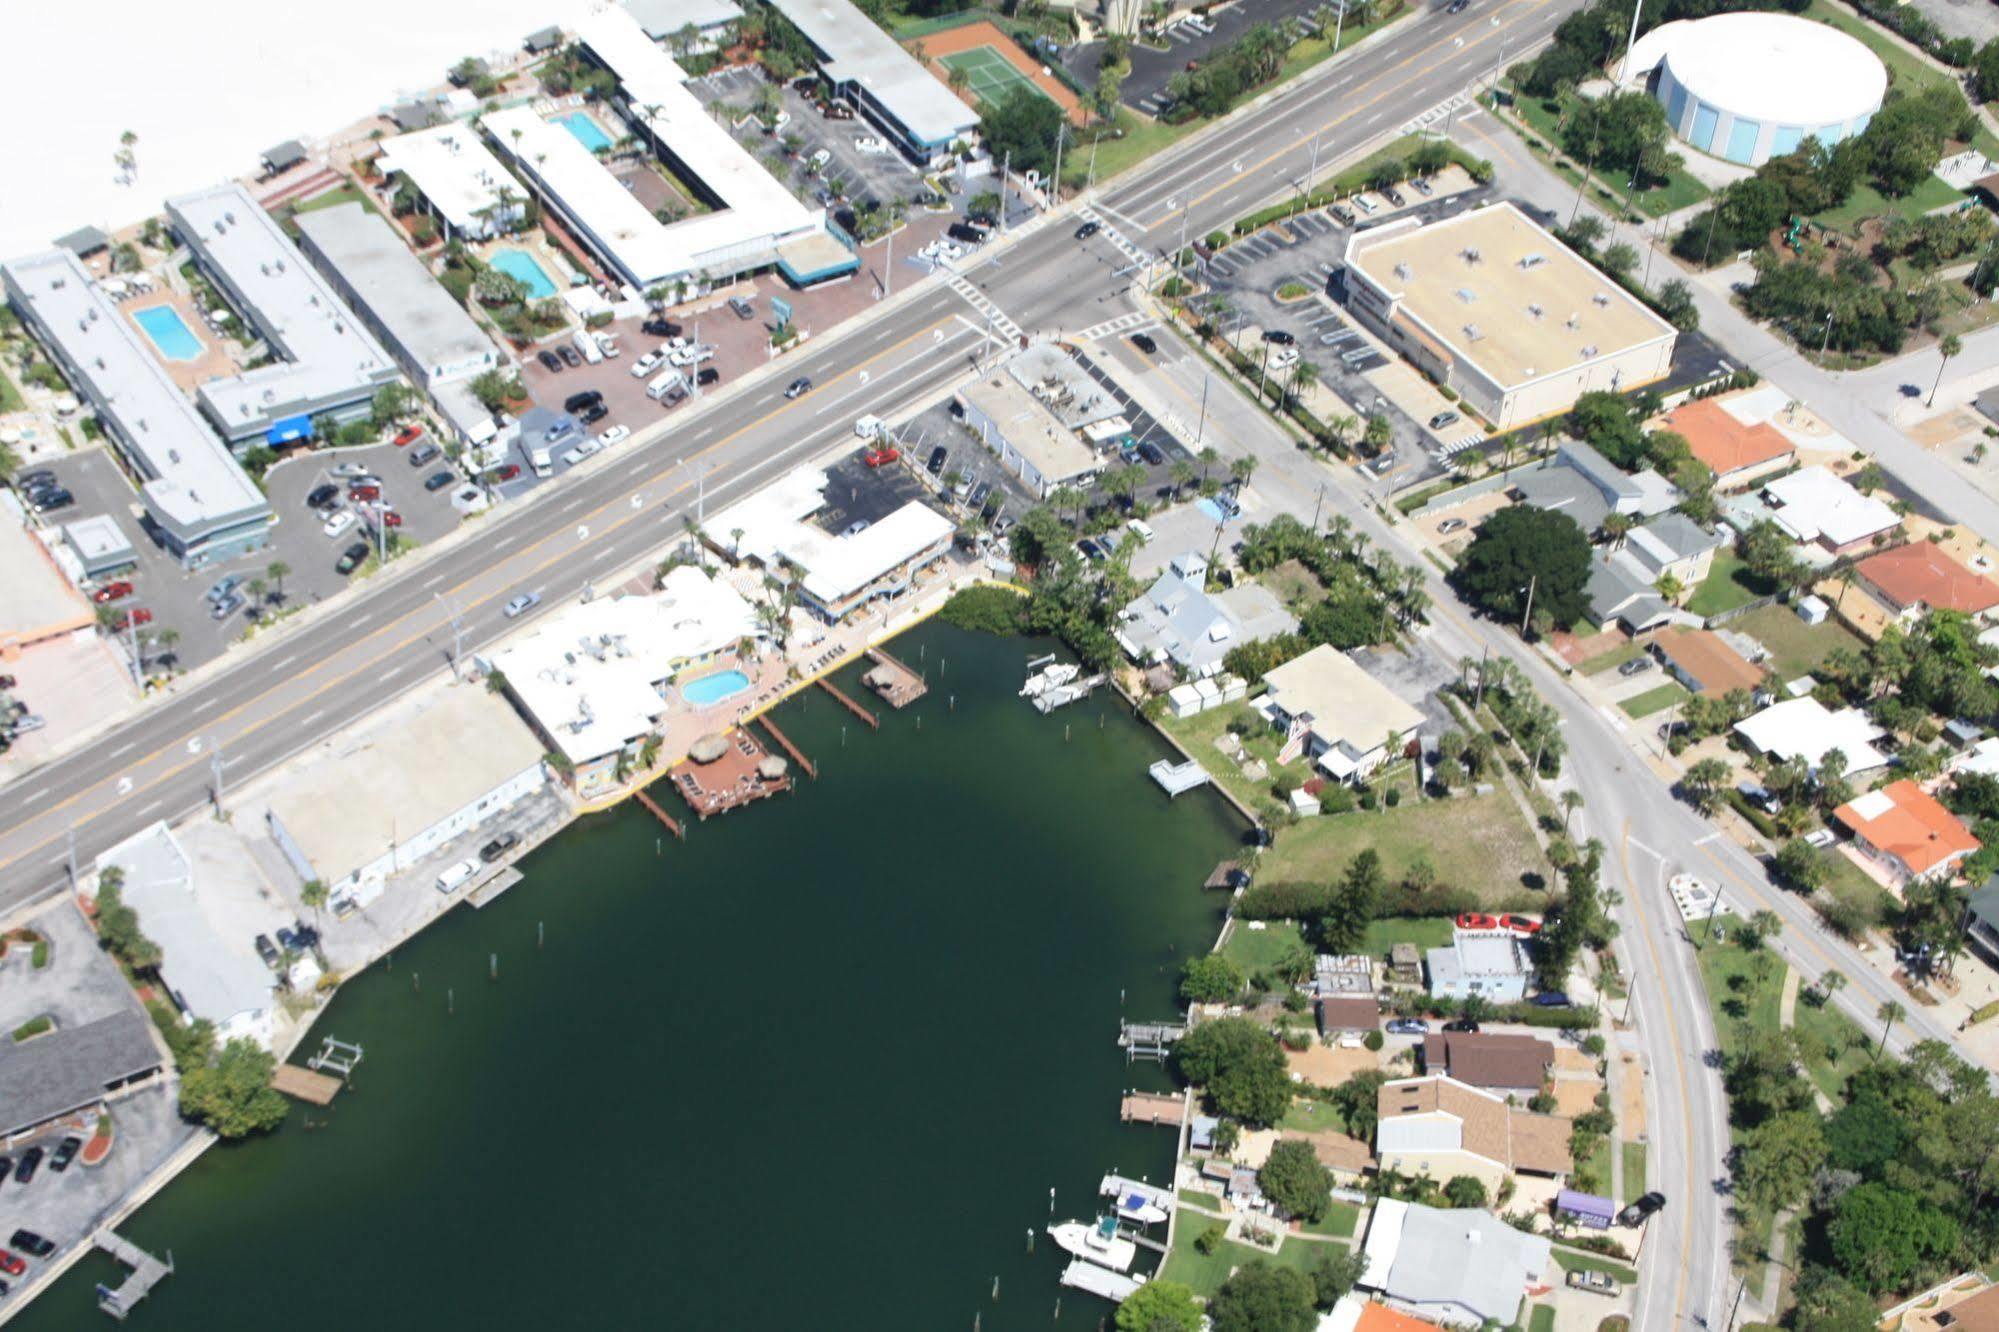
817 1066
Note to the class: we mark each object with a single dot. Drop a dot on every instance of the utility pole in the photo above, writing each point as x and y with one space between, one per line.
1339 26
1006 171
888 261
132 635
1528 613
457 634
72 857
1202 428
1091 183
1318 504
1055 186
1624 65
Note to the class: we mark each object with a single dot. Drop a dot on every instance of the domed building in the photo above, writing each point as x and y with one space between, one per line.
1747 87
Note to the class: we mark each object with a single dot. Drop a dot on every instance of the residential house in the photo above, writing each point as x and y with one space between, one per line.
1348 1015
1703 661
1504 1063
1346 1156
1588 487
1805 728
1906 829
1336 714
1461 1267
1738 452
1915 579
1818 508
1438 1127
1490 964
1624 579
1178 620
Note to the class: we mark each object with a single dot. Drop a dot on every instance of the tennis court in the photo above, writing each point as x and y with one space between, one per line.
992 76
994 66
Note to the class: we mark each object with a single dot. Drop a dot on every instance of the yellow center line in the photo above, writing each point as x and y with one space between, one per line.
376 660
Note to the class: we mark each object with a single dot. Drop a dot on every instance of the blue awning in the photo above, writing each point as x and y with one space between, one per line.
288 430
1587 1208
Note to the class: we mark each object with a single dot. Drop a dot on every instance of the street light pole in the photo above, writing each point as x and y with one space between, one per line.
1528 613
1202 427
457 633
215 769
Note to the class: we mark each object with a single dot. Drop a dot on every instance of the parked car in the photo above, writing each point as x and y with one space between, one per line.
499 846
1280 337
798 387
40 476
438 480
1477 920
615 435
1087 230
28 1242
11 1263
1091 551
594 413
408 435
47 501
226 607
66 1151
113 591
660 328
1442 419
707 375
1600 1283
269 952
1636 666
321 496
425 453
576 402
1408 1026
881 457
25 722
570 356
549 361
1462 1024
506 472
1423 187
742 308
1393 196
1551 999
1344 214
1457 6
1449 525
351 558
1144 342
349 470
521 605
361 494
1525 926
1637 1211
934 464
126 620
1151 452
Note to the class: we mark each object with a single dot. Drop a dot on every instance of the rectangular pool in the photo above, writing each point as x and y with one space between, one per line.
169 332
525 269
586 129
712 689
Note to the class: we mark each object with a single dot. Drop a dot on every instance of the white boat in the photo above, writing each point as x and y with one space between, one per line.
1133 1200
1099 1243
1041 682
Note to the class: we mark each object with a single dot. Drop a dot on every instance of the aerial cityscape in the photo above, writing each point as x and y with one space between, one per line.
1404 593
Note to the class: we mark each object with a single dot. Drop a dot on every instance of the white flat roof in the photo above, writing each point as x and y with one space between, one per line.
212 967
198 488
455 171
1034 432
327 353
837 567
1805 728
663 18
857 51
1813 504
1781 69
769 518
592 674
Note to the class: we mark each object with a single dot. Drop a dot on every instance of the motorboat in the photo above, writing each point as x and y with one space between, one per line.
1099 1243
1133 1200
1052 677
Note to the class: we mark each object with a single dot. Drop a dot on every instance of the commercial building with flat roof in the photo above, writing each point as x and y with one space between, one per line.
199 501
432 338
327 361
1026 436
664 20
1494 306
867 67
466 189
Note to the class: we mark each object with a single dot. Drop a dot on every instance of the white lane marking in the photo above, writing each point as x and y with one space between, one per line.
572 506
603 553
41 794
313 718
206 704
286 661
125 748
1646 849
389 674
360 620
435 581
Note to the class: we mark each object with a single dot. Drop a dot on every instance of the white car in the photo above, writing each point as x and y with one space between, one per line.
338 523
820 159
869 426
350 470
616 434
782 119
646 364
870 144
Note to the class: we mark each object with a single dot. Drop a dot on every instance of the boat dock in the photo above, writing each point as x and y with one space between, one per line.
1074 692
896 683
784 742
1131 1197
1152 1108
672 824
486 892
1228 877
1176 778
1113 1286
1148 1040
873 721
147 1272
302 1084
724 773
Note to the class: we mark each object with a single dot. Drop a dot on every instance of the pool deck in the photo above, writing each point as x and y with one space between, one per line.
214 359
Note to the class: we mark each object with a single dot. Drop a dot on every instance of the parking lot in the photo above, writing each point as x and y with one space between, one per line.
1187 42
876 172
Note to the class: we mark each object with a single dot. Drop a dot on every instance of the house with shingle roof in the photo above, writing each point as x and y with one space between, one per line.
1920 577
1439 1127
1505 1063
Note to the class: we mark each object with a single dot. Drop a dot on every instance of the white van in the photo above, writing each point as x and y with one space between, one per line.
586 342
1141 530
456 877
869 426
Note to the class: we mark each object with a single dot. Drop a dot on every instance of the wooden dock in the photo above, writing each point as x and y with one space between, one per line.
784 741
896 683
672 824
487 892
1152 1108
303 1084
1228 876
147 1272
873 721
741 774
1148 1040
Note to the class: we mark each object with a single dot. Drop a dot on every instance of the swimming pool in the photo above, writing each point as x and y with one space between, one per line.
586 129
525 269
169 333
712 689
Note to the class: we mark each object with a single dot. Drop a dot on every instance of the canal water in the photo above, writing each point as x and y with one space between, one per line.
817 1066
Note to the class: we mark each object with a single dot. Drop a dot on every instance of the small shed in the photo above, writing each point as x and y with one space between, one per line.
1201 1133
83 242
1813 610
100 545
283 157
1405 964
1585 1209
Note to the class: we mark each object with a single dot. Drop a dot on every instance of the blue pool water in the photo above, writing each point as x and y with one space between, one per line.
523 268
169 333
714 688
586 129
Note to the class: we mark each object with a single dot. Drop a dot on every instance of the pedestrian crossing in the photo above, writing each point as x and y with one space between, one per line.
1451 448
1108 230
1439 113
1130 322
996 318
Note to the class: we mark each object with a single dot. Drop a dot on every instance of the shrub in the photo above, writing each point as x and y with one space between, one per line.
988 609
1374 1040
33 1027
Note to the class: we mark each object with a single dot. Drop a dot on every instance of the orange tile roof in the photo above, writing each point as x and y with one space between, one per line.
1909 824
1707 657
1721 441
1381 1318
1920 573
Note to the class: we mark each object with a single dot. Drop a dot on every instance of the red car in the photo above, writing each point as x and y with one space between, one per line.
1524 926
126 619
112 592
507 473
882 457
389 518
1477 920
408 435
361 493
11 1264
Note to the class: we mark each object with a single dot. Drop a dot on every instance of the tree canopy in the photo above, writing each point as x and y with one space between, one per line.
1242 1067
1160 1306
1262 1298
232 1094
1022 124
1293 1178
1522 546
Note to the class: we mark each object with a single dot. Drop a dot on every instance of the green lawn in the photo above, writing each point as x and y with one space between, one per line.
1206 1272
1478 843
1634 1169
1656 699
1866 202
1309 1114
1260 950
1832 1046
1737 993
1430 932
340 194
1796 648
1198 734
1569 1260
1340 1221
1542 1319
1199 1199
1294 585
1850 884
1729 584
10 397
1905 71
1605 661
1680 190
1592 1174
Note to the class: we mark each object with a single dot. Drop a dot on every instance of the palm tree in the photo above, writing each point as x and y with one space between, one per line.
1616 526
313 896
1207 457
1703 783
276 571
1670 587
1890 1013
1949 346
1181 473
1831 982
1571 801
1241 469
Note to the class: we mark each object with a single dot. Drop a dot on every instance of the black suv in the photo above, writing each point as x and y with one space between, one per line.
499 846
1636 1213
28 1242
1144 342
576 402
31 1161
66 1151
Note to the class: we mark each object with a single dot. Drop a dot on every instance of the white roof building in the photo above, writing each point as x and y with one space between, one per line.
1805 728
452 168
1462 1265
864 62
1813 505
1336 712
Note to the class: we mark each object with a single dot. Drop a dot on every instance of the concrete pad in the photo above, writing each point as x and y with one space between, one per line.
36 601
73 683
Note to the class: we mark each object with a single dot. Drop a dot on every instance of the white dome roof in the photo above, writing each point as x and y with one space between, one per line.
1774 68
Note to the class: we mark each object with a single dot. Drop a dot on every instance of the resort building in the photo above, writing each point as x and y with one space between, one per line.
1915 579
1461 1267
1818 508
1441 1128
439 769
431 337
594 680
72 1069
668 20
1505 1064
1703 661
200 504
1739 452
1494 306
1805 728
885 83
1488 964
459 180
326 362
1907 831
1177 620
204 907
834 576
1335 713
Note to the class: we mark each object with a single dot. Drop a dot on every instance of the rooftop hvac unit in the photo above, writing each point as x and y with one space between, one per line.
1590 350
1601 299
1470 253
173 455
229 217
1534 260
1402 271
1467 295
1472 332
1573 321
1534 310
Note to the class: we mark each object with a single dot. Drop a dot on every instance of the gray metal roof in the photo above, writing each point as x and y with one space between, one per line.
211 978
1195 630
83 241
434 335
854 50
194 486
287 154
71 1068
662 18
329 359
543 39
1465 1257
416 115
